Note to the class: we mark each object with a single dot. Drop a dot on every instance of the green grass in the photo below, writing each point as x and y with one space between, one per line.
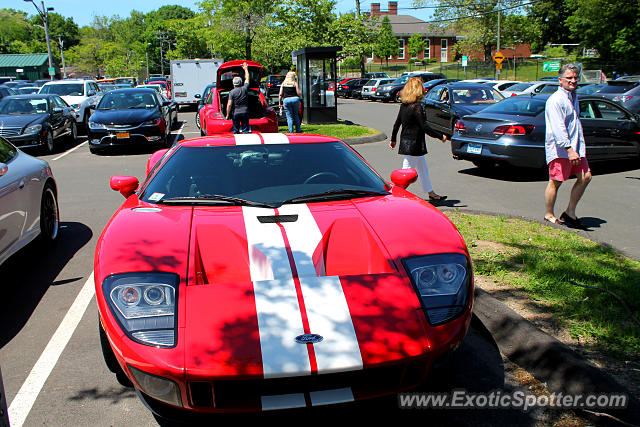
340 130
539 261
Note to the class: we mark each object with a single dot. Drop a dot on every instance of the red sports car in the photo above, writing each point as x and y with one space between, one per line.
267 271
262 118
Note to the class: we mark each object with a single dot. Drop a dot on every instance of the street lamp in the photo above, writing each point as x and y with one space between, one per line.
44 13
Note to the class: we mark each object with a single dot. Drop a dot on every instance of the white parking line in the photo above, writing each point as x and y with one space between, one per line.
69 151
24 400
177 135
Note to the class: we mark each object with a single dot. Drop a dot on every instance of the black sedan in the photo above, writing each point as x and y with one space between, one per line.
128 117
36 120
445 104
513 132
352 88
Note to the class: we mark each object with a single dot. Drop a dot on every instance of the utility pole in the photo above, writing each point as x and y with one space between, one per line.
64 67
498 48
358 8
44 14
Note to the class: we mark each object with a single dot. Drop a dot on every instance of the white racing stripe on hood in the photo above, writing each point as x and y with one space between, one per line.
275 138
324 299
279 315
247 139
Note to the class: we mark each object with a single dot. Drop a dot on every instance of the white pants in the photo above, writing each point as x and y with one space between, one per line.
419 163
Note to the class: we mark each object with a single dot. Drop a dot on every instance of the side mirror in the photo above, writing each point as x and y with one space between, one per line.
403 177
197 95
91 107
166 103
126 185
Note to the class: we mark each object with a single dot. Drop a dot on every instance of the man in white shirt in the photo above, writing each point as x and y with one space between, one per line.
565 148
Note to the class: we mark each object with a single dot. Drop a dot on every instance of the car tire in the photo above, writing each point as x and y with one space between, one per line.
48 142
49 215
85 122
198 119
73 135
110 359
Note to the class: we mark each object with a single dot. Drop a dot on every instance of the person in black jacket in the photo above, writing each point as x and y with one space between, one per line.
412 137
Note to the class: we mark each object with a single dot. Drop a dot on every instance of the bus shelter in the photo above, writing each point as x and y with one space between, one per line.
317 78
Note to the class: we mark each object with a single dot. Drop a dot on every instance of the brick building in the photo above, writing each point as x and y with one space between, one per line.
439 43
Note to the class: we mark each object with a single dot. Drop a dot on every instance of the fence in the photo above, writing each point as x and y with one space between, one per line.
522 69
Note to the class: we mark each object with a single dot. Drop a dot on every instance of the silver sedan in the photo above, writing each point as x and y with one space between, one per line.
28 200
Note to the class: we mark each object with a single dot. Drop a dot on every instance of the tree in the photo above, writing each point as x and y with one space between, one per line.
15 27
416 45
612 27
548 21
240 16
386 44
354 34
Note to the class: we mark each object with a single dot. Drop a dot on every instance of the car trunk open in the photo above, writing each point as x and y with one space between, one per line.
256 109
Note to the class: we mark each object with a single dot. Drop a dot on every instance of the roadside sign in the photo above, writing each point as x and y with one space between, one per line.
498 66
550 66
464 61
498 57
52 71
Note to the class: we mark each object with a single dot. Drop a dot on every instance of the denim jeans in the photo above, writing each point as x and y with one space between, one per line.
291 107
241 123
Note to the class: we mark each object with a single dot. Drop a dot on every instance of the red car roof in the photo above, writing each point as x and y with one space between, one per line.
259 138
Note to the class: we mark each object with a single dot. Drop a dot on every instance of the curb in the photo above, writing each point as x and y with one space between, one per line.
547 359
366 139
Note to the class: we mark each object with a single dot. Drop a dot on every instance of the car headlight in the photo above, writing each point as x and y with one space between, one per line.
442 282
144 305
75 106
152 122
32 129
94 125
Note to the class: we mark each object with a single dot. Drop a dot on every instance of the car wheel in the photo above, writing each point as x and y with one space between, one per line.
85 122
48 142
198 119
110 359
73 135
49 215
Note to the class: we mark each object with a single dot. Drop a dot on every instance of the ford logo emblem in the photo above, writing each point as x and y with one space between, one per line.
309 339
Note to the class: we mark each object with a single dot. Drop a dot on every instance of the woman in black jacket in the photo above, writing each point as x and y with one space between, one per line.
412 137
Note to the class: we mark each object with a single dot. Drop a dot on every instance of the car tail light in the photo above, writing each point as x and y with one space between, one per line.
514 130
269 84
622 98
460 126
513 94
373 89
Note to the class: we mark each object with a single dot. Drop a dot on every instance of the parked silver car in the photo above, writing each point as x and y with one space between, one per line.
28 200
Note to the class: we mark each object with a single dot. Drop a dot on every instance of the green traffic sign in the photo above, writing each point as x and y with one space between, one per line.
550 66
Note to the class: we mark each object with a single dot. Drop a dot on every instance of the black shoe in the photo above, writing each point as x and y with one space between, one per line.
571 222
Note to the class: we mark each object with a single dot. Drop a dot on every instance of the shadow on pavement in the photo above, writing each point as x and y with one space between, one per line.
33 270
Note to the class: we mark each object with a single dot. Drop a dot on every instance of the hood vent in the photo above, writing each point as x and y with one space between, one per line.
272 219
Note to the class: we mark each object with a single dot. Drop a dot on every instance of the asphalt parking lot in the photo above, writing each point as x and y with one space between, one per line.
50 356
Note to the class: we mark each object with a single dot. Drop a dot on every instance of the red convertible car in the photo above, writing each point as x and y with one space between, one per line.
262 118
268 271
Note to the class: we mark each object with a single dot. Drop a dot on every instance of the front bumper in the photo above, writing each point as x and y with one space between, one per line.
505 150
125 136
26 141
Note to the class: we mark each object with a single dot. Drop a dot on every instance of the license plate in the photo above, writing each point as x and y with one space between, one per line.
120 135
474 149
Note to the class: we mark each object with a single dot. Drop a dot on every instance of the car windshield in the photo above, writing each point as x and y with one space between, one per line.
125 80
16 106
64 89
163 85
550 89
518 106
520 87
475 95
401 80
127 100
589 89
371 83
269 174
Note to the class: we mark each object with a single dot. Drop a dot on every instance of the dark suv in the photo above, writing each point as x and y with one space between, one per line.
347 90
271 85
391 91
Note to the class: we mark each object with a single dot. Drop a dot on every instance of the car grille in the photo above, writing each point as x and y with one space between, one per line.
246 394
120 126
10 131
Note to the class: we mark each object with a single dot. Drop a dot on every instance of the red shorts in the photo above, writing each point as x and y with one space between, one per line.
561 169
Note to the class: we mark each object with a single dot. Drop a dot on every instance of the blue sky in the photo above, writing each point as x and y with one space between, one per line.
83 12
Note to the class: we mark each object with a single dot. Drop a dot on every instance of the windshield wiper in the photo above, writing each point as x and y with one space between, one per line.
336 193
209 198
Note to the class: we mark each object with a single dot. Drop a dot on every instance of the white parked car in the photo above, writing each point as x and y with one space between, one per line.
79 94
372 85
527 88
502 85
